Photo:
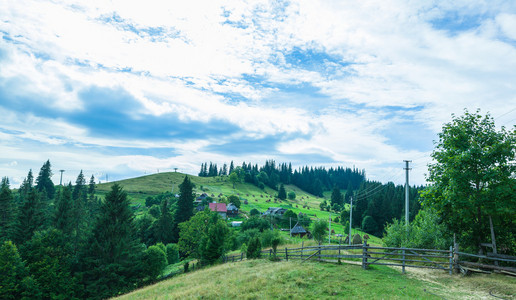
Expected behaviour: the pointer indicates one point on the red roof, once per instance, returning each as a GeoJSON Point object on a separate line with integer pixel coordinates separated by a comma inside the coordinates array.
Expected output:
{"type": "Point", "coordinates": [218, 207]}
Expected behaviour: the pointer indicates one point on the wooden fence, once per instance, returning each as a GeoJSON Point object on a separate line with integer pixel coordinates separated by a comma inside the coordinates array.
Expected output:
{"type": "Point", "coordinates": [366, 255]}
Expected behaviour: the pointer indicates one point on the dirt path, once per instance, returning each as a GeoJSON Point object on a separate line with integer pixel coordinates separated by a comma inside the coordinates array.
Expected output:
{"type": "Point", "coordinates": [475, 286]}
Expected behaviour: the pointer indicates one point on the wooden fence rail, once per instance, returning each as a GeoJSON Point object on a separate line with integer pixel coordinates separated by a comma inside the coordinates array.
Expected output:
{"type": "Point", "coordinates": [447, 260]}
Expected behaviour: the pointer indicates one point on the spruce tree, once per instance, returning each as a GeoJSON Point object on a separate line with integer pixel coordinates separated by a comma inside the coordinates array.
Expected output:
{"type": "Point", "coordinates": [7, 210]}
{"type": "Point", "coordinates": [30, 218]}
{"type": "Point", "coordinates": [64, 216]}
{"type": "Point", "coordinates": [44, 182]}
{"type": "Point", "coordinates": [336, 197]}
{"type": "Point", "coordinates": [15, 282]}
{"type": "Point", "coordinates": [282, 194]}
{"type": "Point", "coordinates": [26, 186]}
{"type": "Point", "coordinates": [163, 227]}
{"type": "Point", "coordinates": [184, 210]}
{"type": "Point", "coordinates": [113, 255]}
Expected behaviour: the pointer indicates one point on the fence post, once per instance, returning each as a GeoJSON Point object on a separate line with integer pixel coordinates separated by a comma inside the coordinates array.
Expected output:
{"type": "Point", "coordinates": [456, 257]}
{"type": "Point", "coordinates": [270, 252]}
{"type": "Point", "coordinates": [403, 262]}
{"type": "Point", "coordinates": [286, 254]}
{"type": "Point", "coordinates": [451, 259]}
{"type": "Point", "coordinates": [364, 256]}
{"type": "Point", "coordinates": [242, 256]}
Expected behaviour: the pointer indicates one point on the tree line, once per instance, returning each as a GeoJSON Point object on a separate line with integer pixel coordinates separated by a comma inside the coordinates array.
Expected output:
{"type": "Point", "coordinates": [312, 180]}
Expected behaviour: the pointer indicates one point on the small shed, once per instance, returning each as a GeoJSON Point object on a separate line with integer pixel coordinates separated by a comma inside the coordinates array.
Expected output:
{"type": "Point", "coordinates": [236, 223]}
{"type": "Point", "coordinates": [298, 230]}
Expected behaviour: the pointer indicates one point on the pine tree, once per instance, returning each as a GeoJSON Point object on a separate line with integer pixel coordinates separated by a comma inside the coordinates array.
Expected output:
{"type": "Point", "coordinates": [336, 197]}
{"type": "Point", "coordinates": [44, 182]}
{"type": "Point", "coordinates": [163, 227]}
{"type": "Point", "coordinates": [15, 282]}
{"type": "Point", "coordinates": [79, 212]}
{"type": "Point", "coordinates": [282, 194]}
{"type": "Point", "coordinates": [30, 218]}
{"type": "Point", "coordinates": [231, 167]}
{"type": "Point", "coordinates": [7, 210]}
{"type": "Point", "coordinates": [113, 255]}
{"type": "Point", "coordinates": [184, 210]}
{"type": "Point", "coordinates": [64, 215]}
{"type": "Point", "coordinates": [26, 186]}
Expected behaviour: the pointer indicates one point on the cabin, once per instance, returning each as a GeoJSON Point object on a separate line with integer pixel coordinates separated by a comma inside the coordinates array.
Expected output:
{"type": "Point", "coordinates": [199, 199]}
{"type": "Point", "coordinates": [298, 230]}
{"type": "Point", "coordinates": [232, 210]}
{"type": "Point", "coordinates": [220, 208]}
{"type": "Point", "coordinates": [275, 211]}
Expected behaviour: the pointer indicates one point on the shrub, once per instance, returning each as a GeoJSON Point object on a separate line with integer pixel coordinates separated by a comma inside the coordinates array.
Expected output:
{"type": "Point", "coordinates": [291, 195]}
{"type": "Point", "coordinates": [268, 236]}
{"type": "Point", "coordinates": [255, 222]}
{"type": "Point", "coordinates": [172, 253]}
{"type": "Point", "coordinates": [319, 230]}
{"type": "Point", "coordinates": [155, 261]}
{"type": "Point", "coordinates": [254, 248]}
{"type": "Point", "coordinates": [254, 212]}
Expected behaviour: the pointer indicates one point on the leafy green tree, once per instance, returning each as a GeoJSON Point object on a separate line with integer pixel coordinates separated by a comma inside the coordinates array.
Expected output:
{"type": "Point", "coordinates": [15, 282]}
{"type": "Point", "coordinates": [254, 212]}
{"type": "Point", "coordinates": [172, 253]}
{"type": "Point", "coordinates": [44, 182]}
{"type": "Point", "coordinates": [472, 179]}
{"type": "Point", "coordinates": [113, 255]}
{"type": "Point", "coordinates": [7, 210]}
{"type": "Point", "coordinates": [234, 178]}
{"type": "Point", "coordinates": [282, 194]}
{"type": "Point", "coordinates": [144, 229]}
{"type": "Point", "coordinates": [336, 197]}
{"type": "Point", "coordinates": [291, 195]}
{"type": "Point", "coordinates": [195, 231]}
{"type": "Point", "coordinates": [184, 210]}
{"type": "Point", "coordinates": [319, 228]}
{"type": "Point", "coordinates": [164, 225]}
{"type": "Point", "coordinates": [235, 200]}
{"type": "Point", "coordinates": [49, 256]}
{"type": "Point", "coordinates": [255, 223]}
{"type": "Point", "coordinates": [155, 211]}
{"type": "Point", "coordinates": [154, 261]}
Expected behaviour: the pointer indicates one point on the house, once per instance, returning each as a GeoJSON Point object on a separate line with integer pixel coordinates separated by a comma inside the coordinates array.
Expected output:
{"type": "Point", "coordinates": [298, 230]}
{"type": "Point", "coordinates": [220, 208]}
{"type": "Point", "coordinates": [232, 210]}
{"type": "Point", "coordinates": [199, 199]}
{"type": "Point", "coordinates": [275, 211]}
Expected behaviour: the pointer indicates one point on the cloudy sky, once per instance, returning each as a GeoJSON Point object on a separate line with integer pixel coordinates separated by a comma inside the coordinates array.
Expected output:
{"type": "Point", "coordinates": [124, 88]}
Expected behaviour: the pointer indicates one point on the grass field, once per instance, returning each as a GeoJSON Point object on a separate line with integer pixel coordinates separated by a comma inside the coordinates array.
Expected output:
{"type": "Point", "coordinates": [263, 279]}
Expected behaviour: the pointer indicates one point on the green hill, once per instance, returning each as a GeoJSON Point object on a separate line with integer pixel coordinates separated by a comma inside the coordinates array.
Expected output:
{"type": "Point", "coordinates": [263, 279]}
{"type": "Point", "coordinates": [139, 188]}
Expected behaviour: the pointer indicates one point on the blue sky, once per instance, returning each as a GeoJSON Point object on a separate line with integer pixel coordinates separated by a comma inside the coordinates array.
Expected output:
{"type": "Point", "coordinates": [127, 88]}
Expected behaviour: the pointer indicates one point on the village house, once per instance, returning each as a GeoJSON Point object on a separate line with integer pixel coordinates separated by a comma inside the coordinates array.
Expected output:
{"type": "Point", "coordinates": [220, 208]}
{"type": "Point", "coordinates": [275, 211]}
{"type": "Point", "coordinates": [232, 210]}
{"type": "Point", "coordinates": [298, 230]}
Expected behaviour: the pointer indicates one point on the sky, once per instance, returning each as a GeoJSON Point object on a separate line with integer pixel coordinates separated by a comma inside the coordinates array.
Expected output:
{"type": "Point", "coordinates": [121, 89]}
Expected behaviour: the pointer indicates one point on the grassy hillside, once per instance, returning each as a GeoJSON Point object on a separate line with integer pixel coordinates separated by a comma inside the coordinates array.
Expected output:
{"type": "Point", "coordinates": [262, 279]}
{"type": "Point", "coordinates": [140, 188]}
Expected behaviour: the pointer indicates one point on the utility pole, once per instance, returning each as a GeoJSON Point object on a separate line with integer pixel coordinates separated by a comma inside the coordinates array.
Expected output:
{"type": "Point", "coordinates": [61, 180]}
{"type": "Point", "coordinates": [350, 218]}
{"type": "Point", "coordinates": [407, 192]}
{"type": "Point", "coordinates": [329, 232]}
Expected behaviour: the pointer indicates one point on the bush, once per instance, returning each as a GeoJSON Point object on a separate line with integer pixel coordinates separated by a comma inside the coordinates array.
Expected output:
{"type": "Point", "coordinates": [291, 195]}
{"type": "Point", "coordinates": [426, 231]}
{"type": "Point", "coordinates": [254, 212]}
{"type": "Point", "coordinates": [268, 236]}
{"type": "Point", "coordinates": [155, 261]}
{"type": "Point", "coordinates": [370, 226]}
{"type": "Point", "coordinates": [255, 222]}
{"type": "Point", "coordinates": [319, 230]}
{"type": "Point", "coordinates": [254, 248]}
{"type": "Point", "coordinates": [172, 253]}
